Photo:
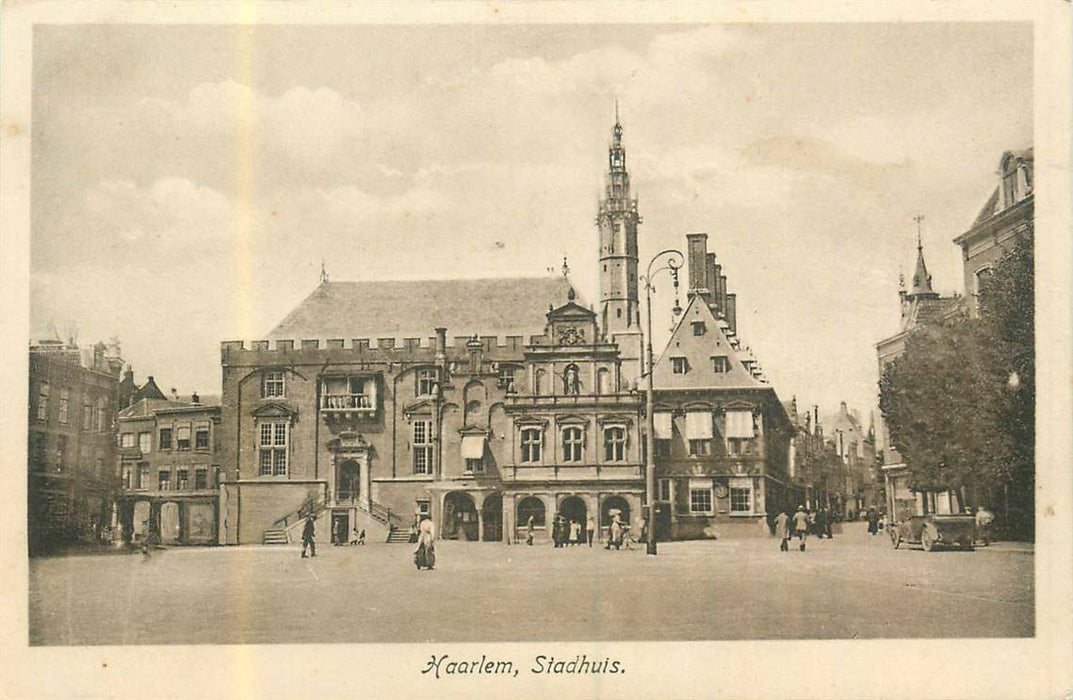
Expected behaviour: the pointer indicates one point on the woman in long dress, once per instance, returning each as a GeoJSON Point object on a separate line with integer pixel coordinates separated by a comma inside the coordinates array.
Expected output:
{"type": "Point", "coordinates": [425, 555]}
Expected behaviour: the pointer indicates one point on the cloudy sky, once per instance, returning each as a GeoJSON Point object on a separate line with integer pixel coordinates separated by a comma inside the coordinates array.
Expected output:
{"type": "Point", "coordinates": [188, 181]}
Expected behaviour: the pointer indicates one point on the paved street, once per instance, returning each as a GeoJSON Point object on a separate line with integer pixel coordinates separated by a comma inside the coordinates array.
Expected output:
{"type": "Point", "coordinates": [852, 586]}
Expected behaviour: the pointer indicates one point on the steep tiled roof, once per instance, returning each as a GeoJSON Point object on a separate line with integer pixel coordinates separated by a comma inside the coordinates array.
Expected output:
{"type": "Point", "coordinates": [698, 351]}
{"type": "Point", "coordinates": [348, 310]}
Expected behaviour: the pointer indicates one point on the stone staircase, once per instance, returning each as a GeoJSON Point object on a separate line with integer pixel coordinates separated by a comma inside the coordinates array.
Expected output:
{"type": "Point", "coordinates": [276, 536]}
{"type": "Point", "coordinates": [398, 536]}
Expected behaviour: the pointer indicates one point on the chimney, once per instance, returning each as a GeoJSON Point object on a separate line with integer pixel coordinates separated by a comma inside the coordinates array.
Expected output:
{"type": "Point", "coordinates": [712, 276]}
{"type": "Point", "coordinates": [696, 260]}
{"type": "Point", "coordinates": [721, 285]}
{"type": "Point", "coordinates": [174, 394]}
{"type": "Point", "coordinates": [195, 399]}
{"type": "Point", "coordinates": [732, 312]}
{"type": "Point", "coordinates": [441, 347]}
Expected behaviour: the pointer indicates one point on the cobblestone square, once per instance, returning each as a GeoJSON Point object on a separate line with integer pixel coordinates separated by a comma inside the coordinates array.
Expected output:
{"type": "Point", "coordinates": [853, 586]}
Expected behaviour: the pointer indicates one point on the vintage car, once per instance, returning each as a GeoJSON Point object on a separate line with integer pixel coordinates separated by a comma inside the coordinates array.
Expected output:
{"type": "Point", "coordinates": [932, 518]}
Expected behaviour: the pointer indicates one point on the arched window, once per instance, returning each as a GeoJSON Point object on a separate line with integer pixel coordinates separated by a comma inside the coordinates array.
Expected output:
{"type": "Point", "coordinates": [614, 443]}
{"type": "Point", "coordinates": [573, 441]}
{"type": "Point", "coordinates": [980, 279]}
{"type": "Point", "coordinates": [533, 507]}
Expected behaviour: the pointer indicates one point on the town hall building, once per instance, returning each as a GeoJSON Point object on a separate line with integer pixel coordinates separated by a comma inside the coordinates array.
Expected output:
{"type": "Point", "coordinates": [485, 404]}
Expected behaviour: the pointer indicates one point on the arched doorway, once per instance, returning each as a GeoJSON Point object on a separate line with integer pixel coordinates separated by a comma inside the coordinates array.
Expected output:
{"type": "Point", "coordinates": [170, 529]}
{"type": "Point", "coordinates": [459, 517]}
{"type": "Point", "coordinates": [492, 515]}
{"type": "Point", "coordinates": [533, 507]}
{"type": "Point", "coordinates": [612, 505]}
{"type": "Point", "coordinates": [573, 508]}
{"type": "Point", "coordinates": [348, 481]}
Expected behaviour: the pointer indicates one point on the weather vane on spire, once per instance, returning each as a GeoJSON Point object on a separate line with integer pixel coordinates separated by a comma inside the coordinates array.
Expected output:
{"type": "Point", "coordinates": [566, 268]}
{"type": "Point", "coordinates": [918, 218]}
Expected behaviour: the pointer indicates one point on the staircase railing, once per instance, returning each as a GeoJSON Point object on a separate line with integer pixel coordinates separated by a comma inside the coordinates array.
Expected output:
{"type": "Point", "coordinates": [312, 505]}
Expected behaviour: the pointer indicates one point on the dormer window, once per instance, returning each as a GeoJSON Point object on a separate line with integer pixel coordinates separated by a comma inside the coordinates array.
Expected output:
{"type": "Point", "coordinates": [699, 328]}
{"type": "Point", "coordinates": [679, 365]}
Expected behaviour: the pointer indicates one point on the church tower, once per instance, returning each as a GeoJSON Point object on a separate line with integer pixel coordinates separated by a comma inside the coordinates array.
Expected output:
{"type": "Point", "coordinates": [617, 222]}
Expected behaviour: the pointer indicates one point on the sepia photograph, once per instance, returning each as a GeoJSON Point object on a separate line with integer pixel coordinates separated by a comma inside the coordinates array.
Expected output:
{"type": "Point", "coordinates": [567, 335]}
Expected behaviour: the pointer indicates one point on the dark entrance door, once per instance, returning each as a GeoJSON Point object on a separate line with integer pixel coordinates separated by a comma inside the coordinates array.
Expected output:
{"type": "Point", "coordinates": [574, 510]}
{"type": "Point", "coordinates": [664, 530]}
{"type": "Point", "coordinates": [492, 515]}
{"type": "Point", "coordinates": [340, 526]}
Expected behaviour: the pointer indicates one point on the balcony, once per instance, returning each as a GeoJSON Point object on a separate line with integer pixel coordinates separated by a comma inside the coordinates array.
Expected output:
{"type": "Point", "coordinates": [337, 406]}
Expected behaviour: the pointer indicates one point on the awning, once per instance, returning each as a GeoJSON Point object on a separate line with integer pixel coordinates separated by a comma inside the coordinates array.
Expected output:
{"type": "Point", "coordinates": [473, 446]}
{"type": "Point", "coordinates": [740, 424]}
{"type": "Point", "coordinates": [699, 425]}
{"type": "Point", "coordinates": [663, 425]}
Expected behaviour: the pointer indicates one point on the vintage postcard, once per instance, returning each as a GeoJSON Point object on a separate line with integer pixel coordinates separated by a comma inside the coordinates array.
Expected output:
{"type": "Point", "coordinates": [534, 349]}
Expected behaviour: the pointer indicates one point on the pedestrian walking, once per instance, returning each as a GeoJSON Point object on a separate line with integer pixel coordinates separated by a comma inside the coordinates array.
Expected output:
{"type": "Point", "coordinates": [782, 530]}
{"type": "Point", "coordinates": [575, 532]}
{"type": "Point", "coordinates": [309, 537]}
{"type": "Point", "coordinates": [590, 529]}
{"type": "Point", "coordinates": [337, 533]}
{"type": "Point", "coordinates": [801, 525]}
{"type": "Point", "coordinates": [425, 554]}
{"type": "Point", "coordinates": [873, 521]}
{"type": "Point", "coordinates": [529, 531]}
{"type": "Point", "coordinates": [984, 518]}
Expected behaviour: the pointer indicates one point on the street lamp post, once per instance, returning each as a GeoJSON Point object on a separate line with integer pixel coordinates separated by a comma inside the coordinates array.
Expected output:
{"type": "Point", "coordinates": [674, 261]}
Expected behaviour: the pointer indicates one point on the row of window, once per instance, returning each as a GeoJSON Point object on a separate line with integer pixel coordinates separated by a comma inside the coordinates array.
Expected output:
{"type": "Point", "coordinates": [167, 439]}
{"type": "Point", "coordinates": [572, 444]}
{"type": "Point", "coordinates": [140, 479]}
{"type": "Point", "coordinates": [94, 415]}
{"type": "Point", "coordinates": [720, 364]}
{"type": "Point", "coordinates": [360, 392]}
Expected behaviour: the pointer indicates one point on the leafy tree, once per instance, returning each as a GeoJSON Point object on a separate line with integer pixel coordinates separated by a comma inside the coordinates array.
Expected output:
{"type": "Point", "coordinates": [960, 402]}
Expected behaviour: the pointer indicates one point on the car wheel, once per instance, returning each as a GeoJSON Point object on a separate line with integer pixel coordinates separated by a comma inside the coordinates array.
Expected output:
{"type": "Point", "coordinates": [926, 540]}
{"type": "Point", "coordinates": [895, 539]}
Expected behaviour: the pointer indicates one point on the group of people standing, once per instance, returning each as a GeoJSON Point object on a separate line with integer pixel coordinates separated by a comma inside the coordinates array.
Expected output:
{"type": "Point", "coordinates": [799, 525]}
{"type": "Point", "coordinates": [565, 532]}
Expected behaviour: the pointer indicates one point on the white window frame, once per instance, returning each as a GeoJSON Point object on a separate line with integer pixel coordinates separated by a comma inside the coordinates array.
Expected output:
{"type": "Point", "coordinates": [427, 378]}
{"type": "Point", "coordinates": [720, 364]}
{"type": "Point", "coordinates": [273, 384]}
{"type": "Point", "coordinates": [532, 448]}
{"type": "Point", "coordinates": [273, 447]}
{"type": "Point", "coordinates": [701, 326]}
{"type": "Point", "coordinates": [664, 492]}
{"type": "Point", "coordinates": [201, 471]}
{"type": "Point", "coordinates": [179, 439]}
{"type": "Point", "coordinates": [694, 491]}
{"type": "Point", "coordinates": [160, 446]}
{"type": "Point", "coordinates": [65, 406]}
{"type": "Point", "coordinates": [575, 443]}
{"type": "Point", "coordinates": [127, 440]}
{"type": "Point", "coordinates": [615, 445]}
{"type": "Point", "coordinates": [679, 365]}
{"type": "Point", "coordinates": [474, 465]}
{"type": "Point", "coordinates": [163, 482]}
{"type": "Point", "coordinates": [421, 446]}
{"type": "Point", "coordinates": [102, 410]}
{"type": "Point", "coordinates": [203, 430]}
{"type": "Point", "coordinates": [750, 500]}
{"type": "Point", "coordinates": [145, 442]}
{"type": "Point", "coordinates": [182, 479]}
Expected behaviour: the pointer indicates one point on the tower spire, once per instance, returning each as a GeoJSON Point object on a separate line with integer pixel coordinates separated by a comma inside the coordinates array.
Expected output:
{"type": "Point", "coordinates": [921, 286]}
{"type": "Point", "coordinates": [617, 222]}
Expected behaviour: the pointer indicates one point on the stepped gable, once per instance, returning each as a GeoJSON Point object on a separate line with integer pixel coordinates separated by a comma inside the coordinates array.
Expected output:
{"type": "Point", "coordinates": [413, 308]}
{"type": "Point", "coordinates": [698, 350]}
